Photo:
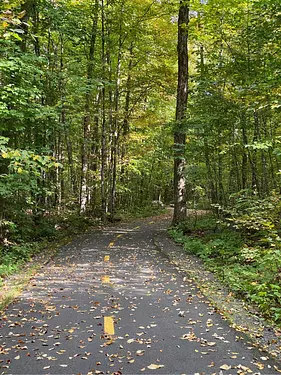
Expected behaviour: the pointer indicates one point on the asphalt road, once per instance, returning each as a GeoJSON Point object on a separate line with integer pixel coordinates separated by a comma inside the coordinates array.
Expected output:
{"type": "Point", "coordinates": [110, 303]}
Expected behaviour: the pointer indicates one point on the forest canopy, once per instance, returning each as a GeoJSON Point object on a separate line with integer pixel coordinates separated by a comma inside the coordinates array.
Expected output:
{"type": "Point", "coordinates": [88, 101]}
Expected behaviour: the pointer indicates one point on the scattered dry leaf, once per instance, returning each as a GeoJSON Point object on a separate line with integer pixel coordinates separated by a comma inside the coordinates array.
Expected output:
{"type": "Point", "coordinates": [225, 367]}
{"type": "Point", "coordinates": [153, 366]}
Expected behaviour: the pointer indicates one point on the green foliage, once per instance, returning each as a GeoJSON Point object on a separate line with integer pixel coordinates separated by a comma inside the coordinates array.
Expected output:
{"type": "Point", "coordinates": [252, 271]}
{"type": "Point", "coordinates": [256, 217]}
{"type": "Point", "coordinates": [146, 210]}
{"type": "Point", "coordinates": [12, 257]}
{"type": "Point", "coordinates": [20, 189]}
{"type": "Point", "coordinates": [57, 101]}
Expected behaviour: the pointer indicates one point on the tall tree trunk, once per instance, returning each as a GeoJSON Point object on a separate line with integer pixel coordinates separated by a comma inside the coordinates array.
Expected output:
{"type": "Point", "coordinates": [115, 129]}
{"type": "Point", "coordinates": [27, 7]}
{"type": "Point", "coordinates": [125, 125]}
{"type": "Point", "coordinates": [103, 127]}
{"type": "Point", "coordinates": [95, 154]}
{"type": "Point", "coordinates": [87, 116]}
{"type": "Point", "coordinates": [255, 182]}
{"type": "Point", "coordinates": [212, 190]}
{"type": "Point", "coordinates": [244, 154]}
{"type": "Point", "coordinates": [179, 134]}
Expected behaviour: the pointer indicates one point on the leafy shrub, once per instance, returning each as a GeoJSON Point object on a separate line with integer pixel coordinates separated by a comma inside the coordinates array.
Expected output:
{"type": "Point", "coordinates": [13, 256]}
{"type": "Point", "coordinates": [250, 269]}
{"type": "Point", "coordinates": [258, 218]}
{"type": "Point", "coordinates": [198, 223]}
{"type": "Point", "coordinates": [195, 246]}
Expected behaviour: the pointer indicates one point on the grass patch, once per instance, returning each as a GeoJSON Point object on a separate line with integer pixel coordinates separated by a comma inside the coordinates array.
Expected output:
{"type": "Point", "coordinates": [13, 257]}
{"type": "Point", "coordinates": [251, 271]}
{"type": "Point", "coordinates": [13, 288]}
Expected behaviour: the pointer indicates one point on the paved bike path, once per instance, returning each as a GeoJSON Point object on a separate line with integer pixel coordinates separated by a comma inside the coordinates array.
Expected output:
{"type": "Point", "coordinates": [111, 303]}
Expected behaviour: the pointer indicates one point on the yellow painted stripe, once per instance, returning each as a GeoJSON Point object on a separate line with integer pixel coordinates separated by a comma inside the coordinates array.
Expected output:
{"type": "Point", "coordinates": [136, 228]}
{"type": "Point", "coordinates": [119, 235]}
{"type": "Point", "coordinates": [109, 325]}
{"type": "Point", "coordinates": [106, 258]}
{"type": "Point", "coordinates": [151, 222]}
{"type": "Point", "coordinates": [111, 244]}
{"type": "Point", "coordinates": [105, 279]}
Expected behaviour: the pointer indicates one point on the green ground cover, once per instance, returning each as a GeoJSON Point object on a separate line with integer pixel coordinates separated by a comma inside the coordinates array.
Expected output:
{"type": "Point", "coordinates": [243, 249]}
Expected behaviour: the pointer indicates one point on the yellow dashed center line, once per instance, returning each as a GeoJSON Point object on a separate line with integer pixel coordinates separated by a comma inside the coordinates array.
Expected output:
{"type": "Point", "coordinates": [111, 244]}
{"type": "Point", "coordinates": [106, 258]}
{"type": "Point", "coordinates": [119, 235]}
{"type": "Point", "coordinates": [109, 325]}
{"type": "Point", "coordinates": [136, 228]}
{"type": "Point", "coordinates": [105, 279]}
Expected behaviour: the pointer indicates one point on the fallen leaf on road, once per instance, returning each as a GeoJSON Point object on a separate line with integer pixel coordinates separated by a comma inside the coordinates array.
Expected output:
{"type": "Point", "coordinates": [225, 367]}
{"type": "Point", "coordinates": [259, 365]}
{"type": "Point", "coordinates": [154, 366]}
{"type": "Point", "coordinates": [50, 308]}
{"type": "Point", "coordinates": [209, 323]}
{"type": "Point", "coordinates": [244, 368]}
{"type": "Point", "coordinates": [189, 336]}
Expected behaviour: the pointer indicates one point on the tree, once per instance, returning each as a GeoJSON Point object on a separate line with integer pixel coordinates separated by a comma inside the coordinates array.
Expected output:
{"type": "Point", "coordinates": [179, 134]}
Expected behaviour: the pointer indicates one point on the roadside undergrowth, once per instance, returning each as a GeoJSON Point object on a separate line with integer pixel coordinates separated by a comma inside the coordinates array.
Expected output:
{"type": "Point", "coordinates": [248, 267]}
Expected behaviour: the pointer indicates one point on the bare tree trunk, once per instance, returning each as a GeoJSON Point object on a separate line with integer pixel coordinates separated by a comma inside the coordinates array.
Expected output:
{"type": "Point", "coordinates": [179, 134]}
{"type": "Point", "coordinates": [95, 154]}
{"type": "Point", "coordinates": [103, 127]}
{"type": "Point", "coordinates": [212, 191]}
{"type": "Point", "coordinates": [115, 130]}
{"type": "Point", "coordinates": [244, 154]}
{"type": "Point", "coordinates": [255, 182]}
{"type": "Point", "coordinates": [27, 7]}
{"type": "Point", "coordinates": [85, 151]}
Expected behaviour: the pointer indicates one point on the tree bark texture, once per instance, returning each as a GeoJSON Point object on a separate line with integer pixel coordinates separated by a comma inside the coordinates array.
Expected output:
{"type": "Point", "coordinates": [179, 134]}
{"type": "Point", "coordinates": [87, 117]}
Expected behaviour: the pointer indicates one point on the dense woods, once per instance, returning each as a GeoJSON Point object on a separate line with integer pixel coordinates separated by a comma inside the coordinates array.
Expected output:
{"type": "Point", "coordinates": [87, 90]}
{"type": "Point", "coordinates": [99, 99]}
